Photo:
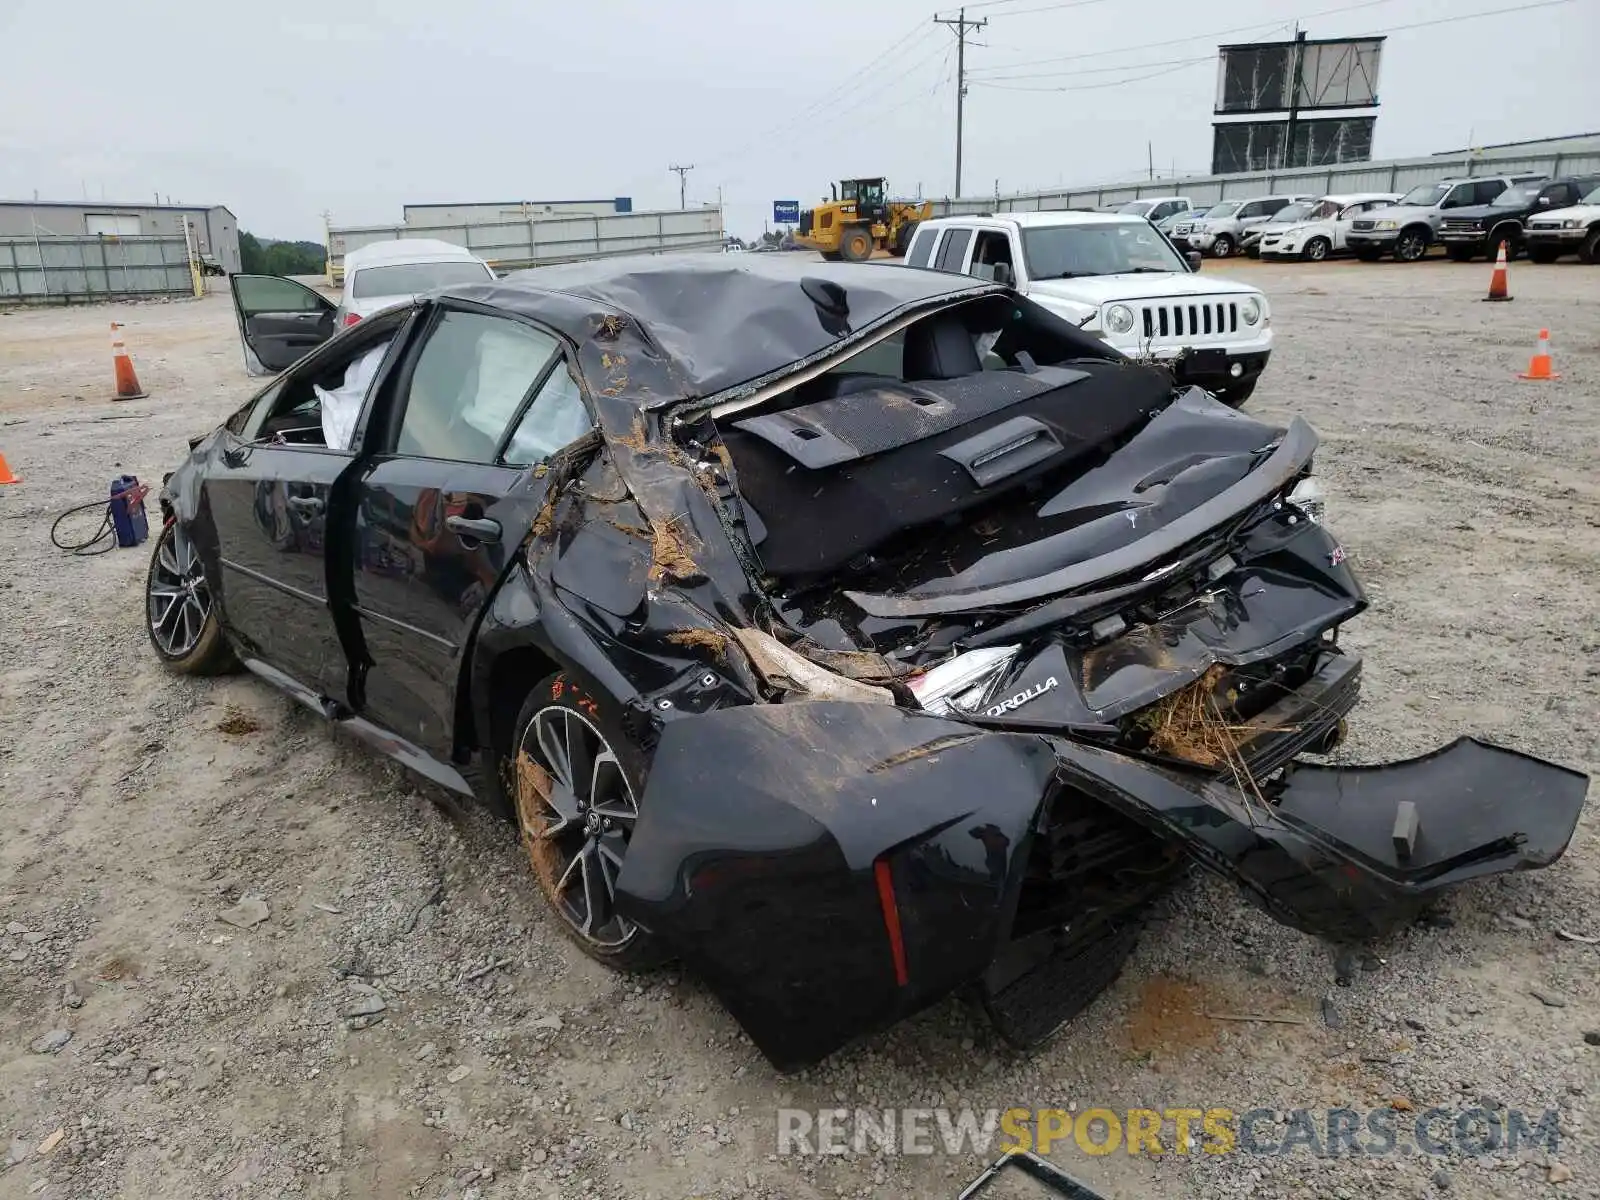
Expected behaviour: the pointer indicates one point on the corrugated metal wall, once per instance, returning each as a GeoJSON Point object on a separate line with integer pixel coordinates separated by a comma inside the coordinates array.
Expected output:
{"type": "Point", "coordinates": [541, 241]}
{"type": "Point", "coordinates": [75, 269]}
{"type": "Point", "coordinates": [1393, 175]}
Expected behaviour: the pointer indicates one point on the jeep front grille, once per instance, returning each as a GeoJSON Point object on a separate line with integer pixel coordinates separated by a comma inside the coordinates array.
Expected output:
{"type": "Point", "coordinates": [1462, 225]}
{"type": "Point", "coordinates": [1363, 226]}
{"type": "Point", "coordinates": [1190, 321]}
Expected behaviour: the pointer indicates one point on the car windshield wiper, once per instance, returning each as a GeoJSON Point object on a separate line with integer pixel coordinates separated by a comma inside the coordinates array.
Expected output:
{"type": "Point", "coordinates": [1074, 274]}
{"type": "Point", "coordinates": [1145, 271]}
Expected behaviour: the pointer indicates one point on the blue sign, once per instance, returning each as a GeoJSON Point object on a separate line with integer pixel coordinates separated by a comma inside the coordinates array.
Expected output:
{"type": "Point", "coordinates": [786, 212]}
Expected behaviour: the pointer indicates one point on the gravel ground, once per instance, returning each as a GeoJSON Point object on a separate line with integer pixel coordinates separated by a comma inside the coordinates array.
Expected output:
{"type": "Point", "coordinates": [406, 1021]}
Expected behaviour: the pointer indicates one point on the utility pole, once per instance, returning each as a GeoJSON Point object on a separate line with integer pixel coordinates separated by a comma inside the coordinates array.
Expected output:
{"type": "Point", "coordinates": [960, 25]}
{"type": "Point", "coordinates": [1299, 52]}
{"type": "Point", "coordinates": [1150, 158]}
{"type": "Point", "coordinates": [683, 182]}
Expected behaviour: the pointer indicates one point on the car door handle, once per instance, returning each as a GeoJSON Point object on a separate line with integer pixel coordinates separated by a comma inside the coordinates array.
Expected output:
{"type": "Point", "coordinates": [307, 506]}
{"type": "Point", "coordinates": [480, 529]}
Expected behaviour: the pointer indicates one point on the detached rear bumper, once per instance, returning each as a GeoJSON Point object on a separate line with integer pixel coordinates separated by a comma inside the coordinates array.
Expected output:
{"type": "Point", "coordinates": [830, 868]}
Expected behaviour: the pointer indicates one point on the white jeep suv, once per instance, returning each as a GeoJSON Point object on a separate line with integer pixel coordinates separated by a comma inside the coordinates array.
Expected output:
{"type": "Point", "coordinates": [1117, 277]}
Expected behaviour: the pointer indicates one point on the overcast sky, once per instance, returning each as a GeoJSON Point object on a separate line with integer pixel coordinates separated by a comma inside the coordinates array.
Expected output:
{"type": "Point", "coordinates": [282, 111]}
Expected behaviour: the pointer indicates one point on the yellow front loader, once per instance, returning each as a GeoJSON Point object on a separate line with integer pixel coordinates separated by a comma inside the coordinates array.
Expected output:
{"type": "Point", "coordinates": [858, 220]}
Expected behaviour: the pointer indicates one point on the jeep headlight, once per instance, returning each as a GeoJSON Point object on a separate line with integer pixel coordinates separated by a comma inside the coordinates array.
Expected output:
{"type": "Point", "coordinates": [1571, 224]}
{"type": "Point", "coordinates": [1387, 225]}
{"type": "Point", "coordinates": [1250, 311]}
{"type": "Point", "coordinates": [1119, 319]}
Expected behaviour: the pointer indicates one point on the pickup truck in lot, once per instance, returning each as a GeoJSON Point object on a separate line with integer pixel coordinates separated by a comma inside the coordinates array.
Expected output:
{"type": "Point", "coordinates": [1469, 232]}
{"type": "Point", "coordinates": [1409, 228]}
{"type": "Point", "coordinates": [1116, 277]}
{"type": "Point", "coordinates": [1574, 230]}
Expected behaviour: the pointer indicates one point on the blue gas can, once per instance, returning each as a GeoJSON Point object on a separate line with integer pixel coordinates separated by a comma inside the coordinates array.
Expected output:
{"type": "Point", "coordinates": [127, 510]}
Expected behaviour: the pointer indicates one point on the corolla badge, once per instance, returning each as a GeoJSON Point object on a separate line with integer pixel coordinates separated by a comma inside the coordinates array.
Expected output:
{"type": "Point", "coordinates": [1021, 698]}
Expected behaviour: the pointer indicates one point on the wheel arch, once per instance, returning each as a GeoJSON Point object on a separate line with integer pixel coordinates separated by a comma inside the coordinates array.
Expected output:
{"type": "Point", "coordinates": [1510, 226]}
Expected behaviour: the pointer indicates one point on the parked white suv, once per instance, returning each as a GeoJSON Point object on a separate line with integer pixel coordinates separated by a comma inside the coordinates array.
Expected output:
{"type": "Point", "coordinates": [384, 274]}
{"type": "Point", "coordinates": [1115, 276]}
{"type": "Point", "coordinates": [1325, 230]}
{"type": "Point", "coordinates": [1156, 209]}
{"type": "Point", "coordinates": [1219, 230]}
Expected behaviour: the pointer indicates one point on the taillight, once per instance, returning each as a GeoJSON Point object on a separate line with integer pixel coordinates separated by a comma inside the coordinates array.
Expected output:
{"type": "Point", "coordinates": [891, 920]}
{"type": "Point", "coordinates": [351, 318]}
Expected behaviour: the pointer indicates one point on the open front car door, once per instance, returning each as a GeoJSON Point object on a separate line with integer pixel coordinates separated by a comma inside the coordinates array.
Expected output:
{"type": "Point", "coordinates": [280, 321]}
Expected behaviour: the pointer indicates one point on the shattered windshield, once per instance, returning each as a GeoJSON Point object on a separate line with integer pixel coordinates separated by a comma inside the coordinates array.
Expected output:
{"type": "Point", "coordinates": [1289, 214]}
{"type": "Point", "coordinates": [1073, 251]}
{"type": "Point", "coordinates": [1226, 209]}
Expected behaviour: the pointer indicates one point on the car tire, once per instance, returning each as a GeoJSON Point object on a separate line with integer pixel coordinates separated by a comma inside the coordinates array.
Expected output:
{"type": "Point", "coordinates": [1222, 247]}
{"type": "Point", "coordinates": [1499, 238]}
{"type": "Point", "coordinates": [1461, 253]}
{"type": "Point", "coordinates": [1590, 251]}
{"type": "Point", "coordinates": [1543, 256]}
{"type": "Point", "coordinates": [1235, 394]}
{"type": "Point", "coordinates": [180, 608]}
{"type": "Point", "coordinates": [1366, 254]}
{"type": "Point", "coordinates": [1411, 246]}
{"type": "Point", "coordinates": [1317, 249]}
{"type": "Point", "coordinates": [829, 255]}
{"type": "Point", "coordinates": [575, 831]}
{"type": "Point", "coordinates": [856, 245]}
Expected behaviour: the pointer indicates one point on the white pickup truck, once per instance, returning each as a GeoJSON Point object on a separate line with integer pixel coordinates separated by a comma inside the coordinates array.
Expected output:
{"type": "Point", "coordinates": [1117, 277]}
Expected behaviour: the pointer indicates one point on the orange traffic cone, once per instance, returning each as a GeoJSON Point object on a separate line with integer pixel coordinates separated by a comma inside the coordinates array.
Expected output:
{"type": "Point", "coordinates": [1539, 365]}
{"type": "Point", "coordinates": [127, 382]}
{"type": "Point", "coordinates": [5, 472]}
{"type": "Point", "coordinates": [1497, 282]}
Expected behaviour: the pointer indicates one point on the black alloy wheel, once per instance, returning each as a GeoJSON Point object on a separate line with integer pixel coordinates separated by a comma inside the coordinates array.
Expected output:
{"type": "Point", "coordinates": [575, 781]}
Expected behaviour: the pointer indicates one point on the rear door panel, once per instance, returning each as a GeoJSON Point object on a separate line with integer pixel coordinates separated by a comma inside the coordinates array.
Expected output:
{"type": "Point", "coordinates": [420, 586]}
{"type": "Point", "coordinates": [268, 507]}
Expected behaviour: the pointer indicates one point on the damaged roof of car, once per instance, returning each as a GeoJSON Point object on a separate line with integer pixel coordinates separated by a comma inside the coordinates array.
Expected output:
{"type": "Point", "coordinates": [722, 320]}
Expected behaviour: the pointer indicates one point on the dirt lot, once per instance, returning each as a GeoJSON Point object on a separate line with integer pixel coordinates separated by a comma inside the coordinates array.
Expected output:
{"type": "Point", "coordinates": [207, 1060]}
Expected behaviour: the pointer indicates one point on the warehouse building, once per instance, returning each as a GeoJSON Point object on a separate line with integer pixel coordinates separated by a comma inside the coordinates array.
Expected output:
{"type": "Point", "coordinates": [486, 212]}
{"type": "Point", "coordinates": [216, 229]}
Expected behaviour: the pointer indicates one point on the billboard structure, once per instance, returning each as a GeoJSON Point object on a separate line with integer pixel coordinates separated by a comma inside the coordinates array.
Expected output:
{"type": "Point", "coordinates": [1263, 79]}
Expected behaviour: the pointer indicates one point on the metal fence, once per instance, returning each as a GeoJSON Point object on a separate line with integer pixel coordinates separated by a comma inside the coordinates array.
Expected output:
{"type": "Point", "coordinates": [78, 268]}
{"type": "Point", "coordinates": [541, 241]}
{"type": "Point", "coordinates": [1392, 175]}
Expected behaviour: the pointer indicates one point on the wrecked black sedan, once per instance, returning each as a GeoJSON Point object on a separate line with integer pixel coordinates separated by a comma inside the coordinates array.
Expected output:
{"type": "Point", "coordinates": [856, 634]}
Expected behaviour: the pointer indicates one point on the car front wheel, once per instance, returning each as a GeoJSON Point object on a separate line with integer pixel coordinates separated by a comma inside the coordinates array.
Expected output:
{"type": "Point", "coordinates": [180, 614]}
{"type": "Point", "coordinates": [1223, 246]}
{"type": "Point", "coordinates": [1411, 247]}
{"type": "Point", "coordinates": [576, 778]}
{"type": "Point", "coordinates": [1317, 249]}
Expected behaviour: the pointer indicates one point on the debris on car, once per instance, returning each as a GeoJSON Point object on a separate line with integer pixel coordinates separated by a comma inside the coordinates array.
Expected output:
{"type": "Point", "coordinates": [855, 634]}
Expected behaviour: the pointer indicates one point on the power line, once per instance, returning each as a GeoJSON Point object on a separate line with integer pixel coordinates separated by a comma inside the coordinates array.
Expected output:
{"type": "Point", "coordinates": [1042, 8]}
{"type": "Point", "coordinates": [986, 79]}
{"type": "Point", "coordinates": [961, 25]}
{"type": "Point", "coordinates": [1089, 87]}
{"type": "Point", "coordinates": [844, 89]}
{"type": "Point", "coordinates": [1179, 41]}
{"type": "Point", "coordinates": [1125, 67]}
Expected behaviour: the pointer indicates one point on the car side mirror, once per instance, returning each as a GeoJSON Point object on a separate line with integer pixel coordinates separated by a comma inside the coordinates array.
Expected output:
{"type": "Point", "coordinates": [1002, 274]}
{"type": "Point", "coordinates": [1194, 259]}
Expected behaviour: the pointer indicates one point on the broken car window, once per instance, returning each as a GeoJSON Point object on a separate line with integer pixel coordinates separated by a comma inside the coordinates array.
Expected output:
{"type": "Point", "coordinates": [556, 418]}
{"type": "Point", "coordinates": [468, 384]}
